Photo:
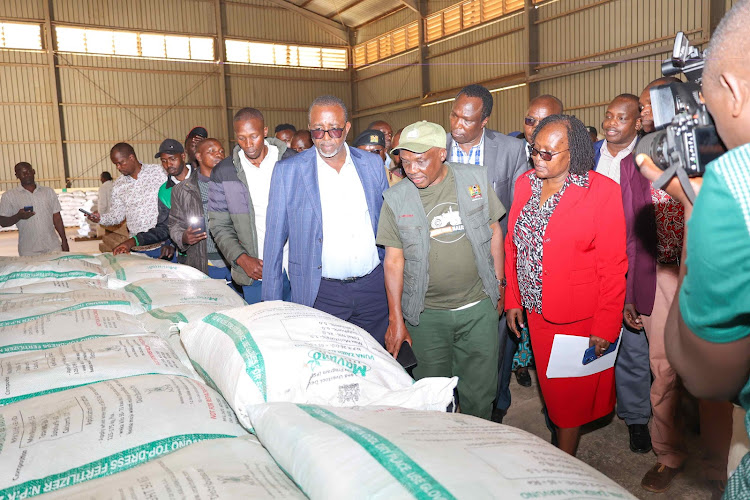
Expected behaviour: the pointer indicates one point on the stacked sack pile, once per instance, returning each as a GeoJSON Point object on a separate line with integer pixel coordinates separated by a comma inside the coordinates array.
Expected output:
{"type": "Point", "coordinates": [128, 377]}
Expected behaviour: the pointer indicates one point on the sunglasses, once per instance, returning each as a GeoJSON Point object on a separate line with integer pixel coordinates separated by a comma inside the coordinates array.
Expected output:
{"type": "Point", "coordinates": [544, 155]}
{"type": "Point", "coordinates": [530, 121]}
{"type": "Point", "coordinates": [333, 133]}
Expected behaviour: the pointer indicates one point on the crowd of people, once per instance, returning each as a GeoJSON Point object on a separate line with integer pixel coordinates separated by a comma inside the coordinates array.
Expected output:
{"type": "Point", "coordinates": [484, 252]}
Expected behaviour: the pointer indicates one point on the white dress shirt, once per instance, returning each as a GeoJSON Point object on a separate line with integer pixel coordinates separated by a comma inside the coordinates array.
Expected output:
{"type": "Point", "coordinates": [348, 239]}
{"type": "Point", "coordinates": [259, 185]}
{"type": "Point", "coordinates": [610, 165]}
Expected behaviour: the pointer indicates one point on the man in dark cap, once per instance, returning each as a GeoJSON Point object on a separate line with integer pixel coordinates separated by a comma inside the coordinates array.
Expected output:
{"type": "Point", "coordinates": [196, 135]}
{"type": "Point", "coordinates": [373, 141]}
{"type": "Point", "coordinates": [172, 156]}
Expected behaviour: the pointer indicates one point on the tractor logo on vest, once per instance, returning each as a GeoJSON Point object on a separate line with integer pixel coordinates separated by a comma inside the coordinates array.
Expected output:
{"type": "Point", "coordinates": [446, 225]}
{"type": "Point", "coordinates": [475, 192]}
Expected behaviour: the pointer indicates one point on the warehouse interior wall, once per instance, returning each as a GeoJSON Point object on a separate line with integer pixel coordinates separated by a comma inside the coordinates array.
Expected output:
{"type": "Point", "coordinates": [583, 51]}
{"type": "Point", "coordinates": [62, 111]}
{"type": "Point", "coordinates": [102, 100]}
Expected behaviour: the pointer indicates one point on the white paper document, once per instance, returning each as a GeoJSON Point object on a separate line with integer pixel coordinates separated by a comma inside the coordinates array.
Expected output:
{"type": "Point", "coordinates": [566, 358]}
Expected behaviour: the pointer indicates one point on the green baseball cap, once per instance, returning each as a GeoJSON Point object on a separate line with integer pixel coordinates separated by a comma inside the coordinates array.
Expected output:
{"type": "Point", "coordinates": [421, 136]}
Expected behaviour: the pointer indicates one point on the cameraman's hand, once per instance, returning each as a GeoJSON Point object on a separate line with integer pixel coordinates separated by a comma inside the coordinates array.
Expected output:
{"type": "Point", "coordinates": [673, 187]}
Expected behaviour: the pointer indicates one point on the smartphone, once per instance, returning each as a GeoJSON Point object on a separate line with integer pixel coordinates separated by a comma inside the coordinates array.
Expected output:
{"type": "Point", "coordinates": [29, 208]}
{"type": "Point", "coordinates": [589, 354]}
{"type": "Point", "coordinates": [85, 212]}
{"type": "Point", "coordinates": [406, 357]}
{"type": "Point", "coordinates": [199, 222]}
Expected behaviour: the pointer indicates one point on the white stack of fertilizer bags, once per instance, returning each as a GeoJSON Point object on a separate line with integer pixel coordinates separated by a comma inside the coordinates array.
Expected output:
{"type": "Point", "coordinates": [58, 440]}
{"type": "Point", "coordinates": [277, 351]}
{"type": "Point", "coordinates": [25, 271]}
{"type": "Point", "coordinates": [34, 373]}
{"type": "Point", "coordinates": [53, 330]}
{"type": "Point", "coordinates": [229, 468]}
{"type": "Point", "coordinates": [128, 268]}
{"type": "Point", "coordinates": [71, 201]}
{"type": "Point", "coordinates": [98, 283]}
{"type": "Point", "coordinates": [157, 293]}
{"type": "Point", "coordinates": [21, 308]}
{"type": "Point", "coordinates": [395, 453]}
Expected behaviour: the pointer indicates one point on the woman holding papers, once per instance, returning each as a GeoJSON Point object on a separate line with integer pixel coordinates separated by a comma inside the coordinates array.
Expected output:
{"type": "Point", "coordinates": [565, 263]}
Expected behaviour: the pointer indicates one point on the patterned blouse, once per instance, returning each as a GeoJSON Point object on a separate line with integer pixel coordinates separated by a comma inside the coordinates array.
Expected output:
{"type": "Point", "coordinates": [670, 225]}
{"type": "Point", "coordinates": [528, 237]}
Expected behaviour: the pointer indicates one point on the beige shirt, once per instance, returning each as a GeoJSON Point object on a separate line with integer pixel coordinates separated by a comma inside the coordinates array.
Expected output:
{"type": "Point", "coordinates": [610, 165]}
{"type": "Point", "coordinates": [36, 235]}
{"type": "Point", "coordinates": [349, 249]}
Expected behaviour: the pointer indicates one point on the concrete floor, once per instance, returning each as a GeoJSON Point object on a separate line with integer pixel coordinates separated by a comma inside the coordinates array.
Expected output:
{"type": "Point", "coordinates": [604, 444]}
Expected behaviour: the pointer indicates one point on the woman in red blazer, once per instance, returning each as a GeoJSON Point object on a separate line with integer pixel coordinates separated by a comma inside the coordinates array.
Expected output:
{"type": "Point", "coordinates": [565, 263]}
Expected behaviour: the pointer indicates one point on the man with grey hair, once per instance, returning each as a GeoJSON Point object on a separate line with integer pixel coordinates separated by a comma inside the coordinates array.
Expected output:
{"type": "Point", "coordinates": [325, 201]}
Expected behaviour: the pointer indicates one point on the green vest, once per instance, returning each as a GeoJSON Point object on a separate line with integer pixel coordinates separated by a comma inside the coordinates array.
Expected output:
{"type": "Point", "coordinates": [414, 231]}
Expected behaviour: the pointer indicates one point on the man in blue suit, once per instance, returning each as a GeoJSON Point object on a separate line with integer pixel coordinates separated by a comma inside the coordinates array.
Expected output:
{"type": "Point", "coordinates": [326, 202]}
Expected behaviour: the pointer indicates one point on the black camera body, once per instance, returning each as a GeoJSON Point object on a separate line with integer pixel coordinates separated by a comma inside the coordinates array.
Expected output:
{"type": "Point", "coordinates": [685, 135]}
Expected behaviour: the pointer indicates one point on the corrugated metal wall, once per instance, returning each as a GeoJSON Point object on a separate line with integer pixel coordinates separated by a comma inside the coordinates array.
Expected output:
{"type": "Point", "coordinates": [626, 39]}
{"type": "Point", "coordinates": [104, 100]}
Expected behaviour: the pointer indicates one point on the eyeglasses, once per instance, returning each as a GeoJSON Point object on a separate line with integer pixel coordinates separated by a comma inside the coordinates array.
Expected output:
{"type": "Point", "coordinates": [544, 155]}
{"type": "Point", "coordinates": [529, 121]}
{"type": "Point", "coordinates": [333, 133]}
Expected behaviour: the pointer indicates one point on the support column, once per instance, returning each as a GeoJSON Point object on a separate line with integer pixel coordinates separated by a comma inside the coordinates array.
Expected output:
{"type": "Point", "coordinates": [531, 46]}
{"type": "Point", "coordinates": [424, 80]}
{"type": "Point", "coordinates": [221, 60]}
{"type": "Point", "coordinates": [54, 83]}
{"type": "Point", "coordinates": [352, 77]}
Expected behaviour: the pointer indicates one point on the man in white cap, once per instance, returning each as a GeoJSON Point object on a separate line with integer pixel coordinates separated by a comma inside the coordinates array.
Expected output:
{"type": "Point", "coordinates": [444, 221]}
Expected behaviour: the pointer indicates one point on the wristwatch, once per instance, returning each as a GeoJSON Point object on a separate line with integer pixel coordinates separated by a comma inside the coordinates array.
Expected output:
{"type": "Point", "coordinates": [502, 282]}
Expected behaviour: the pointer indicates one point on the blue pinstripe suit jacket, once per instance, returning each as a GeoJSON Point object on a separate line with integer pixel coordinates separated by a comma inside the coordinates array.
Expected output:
{"type": "Point", "coordinates": [294, 213]}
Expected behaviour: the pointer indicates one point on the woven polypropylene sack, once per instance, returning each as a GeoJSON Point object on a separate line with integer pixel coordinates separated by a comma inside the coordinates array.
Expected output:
{"type": "Point", "coordinates": [278, 351]}
{"type": "Point", "coordinates": [395, 453]}
{"type": "Point", "coordinates": [58, 440]}
{"type": "Point", "coordinates": [220, 468]}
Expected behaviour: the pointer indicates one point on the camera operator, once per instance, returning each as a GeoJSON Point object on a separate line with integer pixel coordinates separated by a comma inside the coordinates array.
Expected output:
{"type": "Point", "coordinates": [708, 329]}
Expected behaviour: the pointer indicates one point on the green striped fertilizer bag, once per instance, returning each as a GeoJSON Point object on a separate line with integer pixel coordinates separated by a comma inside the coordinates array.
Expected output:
{"type": "Point", "coordinates": [220, 468]}
{"type": "Point", "coordinates": [35, 373]}
{"type": "Point", "coordinates": [23, 308]}
{"type": "Point", "coordinates": [127, 268]}
{"type": "Point", "coordinates": [21, 271]}
{"type": "Point", "coordinates": [97, 283]}
{"type": "Point", "coordinates": [396, 453]}
{"type": "Point", "coordinates": [155, 293]}
{"type": "Point", "coordinates": [63, 328]}
{"type": "Point", "coordinates": [58, 440]}
{"type": "Point", "coordinates": [278, 351]}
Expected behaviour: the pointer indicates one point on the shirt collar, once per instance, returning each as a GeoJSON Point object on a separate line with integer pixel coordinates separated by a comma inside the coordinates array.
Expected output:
{"type": "Point", "coordinates": [622, 154]}
{"type": "Point", "coordinates": [479, 145]}
{"type": "Point", "coordinates": [322, 162]}
{"type": "Point", "coordinates": [174, 179]}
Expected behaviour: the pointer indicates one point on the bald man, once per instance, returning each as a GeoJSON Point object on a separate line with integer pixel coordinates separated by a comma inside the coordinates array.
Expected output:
{"type": "Point", "coordinates": [540, 108]}
{"type": "Point", "coordinates": [707, 334]}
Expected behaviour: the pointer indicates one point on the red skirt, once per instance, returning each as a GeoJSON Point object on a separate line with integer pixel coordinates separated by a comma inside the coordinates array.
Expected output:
{"type": "Point", "coordinates": [570, 401]}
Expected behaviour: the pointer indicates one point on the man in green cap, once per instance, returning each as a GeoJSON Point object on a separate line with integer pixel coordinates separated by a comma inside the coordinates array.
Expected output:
{"type": "Point", "coordinates": [444, 274]}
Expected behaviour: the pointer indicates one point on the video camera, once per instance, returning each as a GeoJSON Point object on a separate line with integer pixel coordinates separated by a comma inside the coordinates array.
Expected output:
{"type": "Point", "coordinates": [685, 140]}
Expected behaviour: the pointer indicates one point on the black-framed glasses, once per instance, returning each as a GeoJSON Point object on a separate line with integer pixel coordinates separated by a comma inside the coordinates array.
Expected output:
{"type": "Point", "coordinates": [333, 133]}
{"type": "Point", "coordinates": [531, 122]}
{"type": "Point", "coordinates": [545, 155]}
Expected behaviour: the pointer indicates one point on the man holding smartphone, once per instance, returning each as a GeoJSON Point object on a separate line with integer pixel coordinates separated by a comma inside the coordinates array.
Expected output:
{"type": "Point", "coordinates": [36, 212]}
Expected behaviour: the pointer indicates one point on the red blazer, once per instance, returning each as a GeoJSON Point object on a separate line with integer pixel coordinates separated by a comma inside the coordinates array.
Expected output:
{"type": "Point", "coordinates": [584, 262]}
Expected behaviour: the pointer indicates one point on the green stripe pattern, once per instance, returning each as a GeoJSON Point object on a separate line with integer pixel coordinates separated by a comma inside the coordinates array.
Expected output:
{"type": "Point", "coordinates": [106, 466]}
{"type": "Point", "coordinates": [39, 346]}
{"type": "Point", "coordinates": [82, 305]}
{"type": "Point", "coordinates": [119, 271]}
{"type": "Point", "coordinates": [141, 295]}
{"type": "Point", "coordinates": [255, 366]}
{"type": "Point", "coordinates": [173, 317]}
{"type": "Point", "coordinates": [398, 464]}
{"type": "Point", "coordinates": [45, 274]}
